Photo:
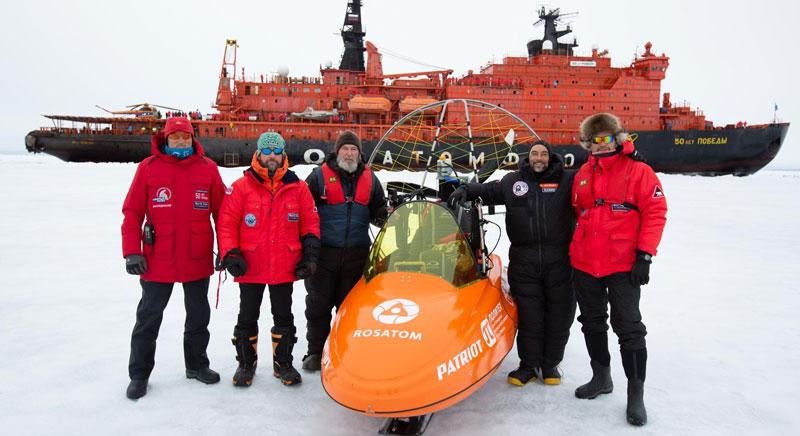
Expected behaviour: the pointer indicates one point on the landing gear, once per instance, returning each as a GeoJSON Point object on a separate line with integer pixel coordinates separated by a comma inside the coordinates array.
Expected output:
{"type": "Point", "coordinates": [414, 425]}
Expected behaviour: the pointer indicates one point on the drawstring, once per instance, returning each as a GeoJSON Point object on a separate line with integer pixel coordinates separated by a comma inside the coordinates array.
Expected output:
{"type": "Point", "coordinates": [219, 285]}
{"type": "Point", "coordinates": [219, 279]}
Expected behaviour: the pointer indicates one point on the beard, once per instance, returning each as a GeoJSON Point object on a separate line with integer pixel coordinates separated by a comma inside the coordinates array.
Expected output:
{"type": "Point", "coordinates": [539, 167]}
{"type": "Point", "coordinates": [348, 166]}
{"type": "Point", "coordinates": [272, 165]}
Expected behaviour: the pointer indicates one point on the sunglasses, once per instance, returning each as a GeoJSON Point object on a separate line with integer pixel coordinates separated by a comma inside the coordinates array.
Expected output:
{"type": "Point", "coordinates": [268, 151]}
{"type": "Point", "coordinates": [605, 139]}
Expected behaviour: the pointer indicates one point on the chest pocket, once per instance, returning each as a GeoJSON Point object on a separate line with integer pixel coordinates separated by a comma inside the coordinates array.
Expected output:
{"type": "Point", "coordinates": [290, 220]}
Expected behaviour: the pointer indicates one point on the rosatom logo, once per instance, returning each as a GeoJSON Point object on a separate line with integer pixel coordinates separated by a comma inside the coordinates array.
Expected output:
{"type": "Point", "coordinates": [397, 311]}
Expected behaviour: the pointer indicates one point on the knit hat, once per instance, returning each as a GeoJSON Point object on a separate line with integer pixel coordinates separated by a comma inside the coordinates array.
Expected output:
{"type": "Point", "coordinates": [545, 144]}
{"type": "Point", "coordinates": [347, 137]}
{"type": "Point", "coordinates": [271, 140]}
{"type": "Point", "coordinates": [178, 124]}
{"type": "Point", "coordinates": [597, 123]}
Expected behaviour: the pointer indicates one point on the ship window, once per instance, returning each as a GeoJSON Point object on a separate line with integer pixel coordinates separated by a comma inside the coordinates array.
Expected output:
{"type": "Point", "coordinates": [256, 90]}
{"type": "Point", "coordinates": [276, 100]}
{"type": "Point", "coordinates": [283, 89]}
{"type": "Point", "coordinates": [625, 94]}
{"type": "Point", "coordinates": [594, 94]}
{"type": "Point", "coordinates": [547, 106]}
{"type": "Point", "coordinates": [306, 90]}
{"type": "Point", "coordinates": [294, 89]}
{"type": "Point", "coordinates": [247, 90]}
{"type": "Point", "coordinates": [317, 90]}
{"type": "Point", "coordinates": [563, 106]}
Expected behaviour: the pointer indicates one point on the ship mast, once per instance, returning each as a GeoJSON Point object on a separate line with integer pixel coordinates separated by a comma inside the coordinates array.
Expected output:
{"type": "Point", "coordinates": [551, 35]}
{"type": "Point", "coordinates": [353, 38]}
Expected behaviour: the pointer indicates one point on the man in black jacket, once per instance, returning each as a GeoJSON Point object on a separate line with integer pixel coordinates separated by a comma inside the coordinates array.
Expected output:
{"type": "Point", "coordinates": [349, 197]}
{"type": "Point", "coordinates": [539, 222]}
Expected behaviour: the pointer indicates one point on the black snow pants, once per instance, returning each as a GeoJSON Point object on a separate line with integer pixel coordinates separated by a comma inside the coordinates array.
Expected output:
{"type": "Point", "coordinates": [250, 297]}
{"type": "Point", "coordinates": [540, 282]}
{"type": "Point", "coordinates": [338, 271]}
{"type": "Point", "coordinates": [150, 312]}
{"type": "Point", "coordinates": [594, 295]}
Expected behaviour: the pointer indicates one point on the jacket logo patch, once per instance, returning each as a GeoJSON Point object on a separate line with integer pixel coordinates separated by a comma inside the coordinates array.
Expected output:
{"type": "Point", "coordinates": [332, 179]}
{"type": "Point", "coordinates": [201, 195]}
{"type": "Point", "coordinates": [548, 187]}
{"type": "Point", "coordinates": [162, 195]}
{"type": "Point", "coordinates": [229, 190]}
{"type": "Point", "coordinates": [583, 182]}
{"type": "Point", "coordinates": [293, 216]}
{"type": "Point", "coordinates": [520, 188]}
{"type": "Point", "coordinates": [202, 205]}
{"type": "Point", "coordinates": [619, 208]}
{"type": "Point", "coordinates": [250, 220]}
{"type": "Point", "coordinates": [658, 193]}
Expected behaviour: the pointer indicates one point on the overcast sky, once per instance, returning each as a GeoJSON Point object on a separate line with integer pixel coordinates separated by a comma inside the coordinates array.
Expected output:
{"type": "Point", "coordinates": [734, 59]}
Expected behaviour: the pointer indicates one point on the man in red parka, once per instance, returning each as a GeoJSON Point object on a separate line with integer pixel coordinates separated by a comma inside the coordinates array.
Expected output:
{"type": "Point", "coordinates": [175, 192]}
{"type": "Point", "coordinates": [621, 211]}
{"type": "Point", "coordinates": [268, 235]}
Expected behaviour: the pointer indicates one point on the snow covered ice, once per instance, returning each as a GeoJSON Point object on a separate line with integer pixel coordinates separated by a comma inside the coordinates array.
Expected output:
{"type": "Point", "coordinates": [721, 312]}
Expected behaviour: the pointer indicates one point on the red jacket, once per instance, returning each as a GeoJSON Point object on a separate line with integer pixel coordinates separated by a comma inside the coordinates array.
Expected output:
{"type": "Point", "coordinates": [621, 208]}
{"type": "Point", "coordinates": [265, 221]}
{"type": "Point", "coordinates": [178, 197]}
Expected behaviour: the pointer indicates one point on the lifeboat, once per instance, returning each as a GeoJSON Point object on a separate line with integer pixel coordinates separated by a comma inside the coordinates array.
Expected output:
{"type": "Point", "coordinates": [427, 324]}
{"type": "Point", "coordinates": [369, 104]}
{"type": "Point", "coordinates": [410, 104]}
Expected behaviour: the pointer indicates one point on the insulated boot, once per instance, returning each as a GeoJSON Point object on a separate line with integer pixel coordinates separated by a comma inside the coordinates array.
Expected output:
{"type": "Point", "coordinates": [247, 357]}
{"type": "Point", "coordinates": [136, 389]}
{"type": "Point", "coordinates": [635, 364]}
{"type": "Point", "coordinates": [597, 346]}
{"type": "Point", "coordinates": [205, 375]}
{"type": "Point", "coordinates": [522, 375]}
{"type": "Point", "coordinates": [283, 340]}
{"type": "Point", "coordinates": [312, 362]}
{"type": "Point", "coordinates": [551, 376]}
{"type": "Point", "coordinates": [599, 384]}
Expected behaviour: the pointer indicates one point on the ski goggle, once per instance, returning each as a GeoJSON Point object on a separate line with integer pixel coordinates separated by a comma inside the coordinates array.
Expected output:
{"type": "Point", "coordinates": [605, 139]}
{"type": "Point", "coordinates": [269, 150]}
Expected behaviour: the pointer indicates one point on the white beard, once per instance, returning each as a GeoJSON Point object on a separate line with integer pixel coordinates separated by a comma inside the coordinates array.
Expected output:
{"type": "Point", "coordinates": [349, 167]}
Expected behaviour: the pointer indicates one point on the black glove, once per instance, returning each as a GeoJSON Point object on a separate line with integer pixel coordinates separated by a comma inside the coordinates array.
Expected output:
{"type": "Point", "coordinates": [234, 263]}
{"type": "Point", "coordinates": [304, 269]}
{"type": "Point", "coordinates": [308, 264]}
{"type": "Point", "coordinates": [640, 274]}
{"type": "Point", "coordinates": [458, 197]}
{"type": "Point", "coordinates": [135, 264]}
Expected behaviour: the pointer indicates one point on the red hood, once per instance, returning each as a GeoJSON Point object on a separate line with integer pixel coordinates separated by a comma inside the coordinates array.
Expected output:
{"type": "Point", "coordinates": [157, 140]}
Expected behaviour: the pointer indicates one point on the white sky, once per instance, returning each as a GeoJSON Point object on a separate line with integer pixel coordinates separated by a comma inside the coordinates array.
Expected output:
{"type": "Point", "coordinates": [732, 59]}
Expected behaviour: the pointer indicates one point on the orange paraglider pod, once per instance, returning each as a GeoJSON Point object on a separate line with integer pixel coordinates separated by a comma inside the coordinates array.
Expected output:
{"type": "Point", "coordinates": [425, 326]}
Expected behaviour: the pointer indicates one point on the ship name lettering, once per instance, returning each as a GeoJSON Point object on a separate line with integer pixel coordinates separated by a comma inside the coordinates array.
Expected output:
{"type": "Point", "coordinates": [712, 141]}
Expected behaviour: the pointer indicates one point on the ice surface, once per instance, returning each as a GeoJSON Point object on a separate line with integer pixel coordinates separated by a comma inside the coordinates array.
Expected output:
{"type": "Point", "coordinates": [721, 312]}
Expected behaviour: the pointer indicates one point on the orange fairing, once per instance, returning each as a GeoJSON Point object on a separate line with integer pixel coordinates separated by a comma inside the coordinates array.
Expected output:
{"type": "Point", "coordinates": [422, 329]}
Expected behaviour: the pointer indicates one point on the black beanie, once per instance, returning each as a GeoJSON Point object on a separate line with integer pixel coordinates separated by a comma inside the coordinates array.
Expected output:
{"type": "Point", "coordinates": [347, 137]}
{"type": "Point", "coordinates": [546, 145]}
